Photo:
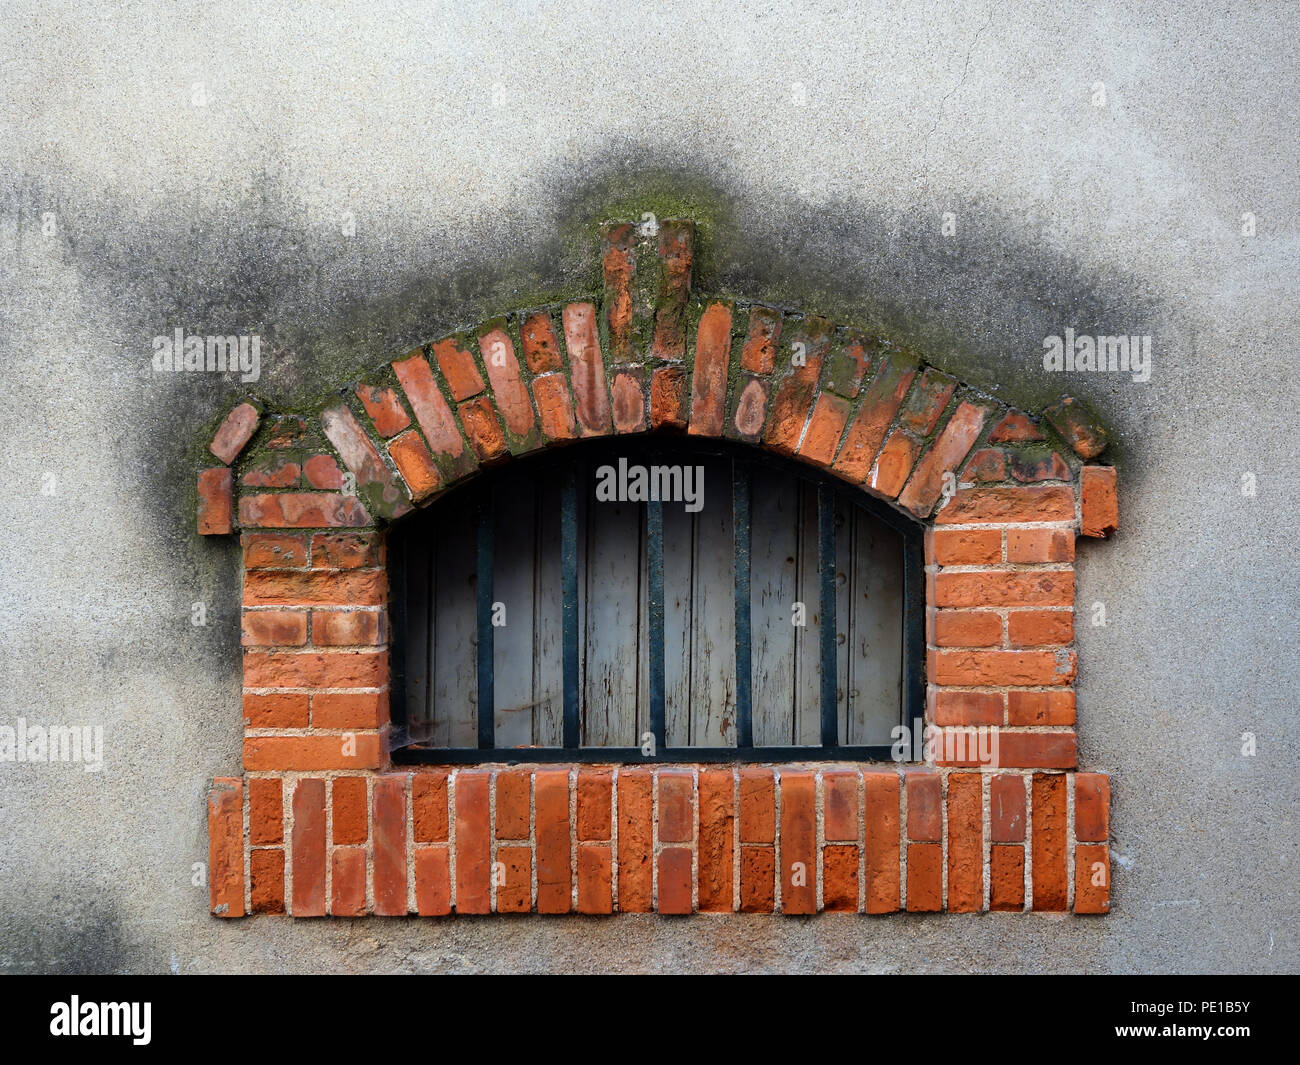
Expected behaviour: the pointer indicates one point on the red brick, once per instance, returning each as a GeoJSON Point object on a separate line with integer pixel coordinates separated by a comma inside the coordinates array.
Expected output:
{"type": "Point", "coordinates": [273, 628]}
{"type": "Point", "coordinates": [875, 415]}
{"type": "Point", "coordinates": [322, 471]}
{"type": "Point", "coordinates": [965, 547]}
{"type": "Point", "coordinates": [484, 431]}
{"type": "Point", "coordinates": [277, 710]}
{"type": "Point", "coordinates": [1037, 750]}
{"type": "Point", "coordinates": [432, 881]}
{"type": "Point", "coordinates": [508, 388]}
{"type": "Point", "coordinates": [266, 873]}
{"type": "Point", "coordinates": [233, 433]}
{"type": "Point", "coordinates": [473, 842]}
{"type": "Point", "coordinates": [302, 510]}
{"type": "Point", "coordinates": [1005, 588]}
{"type": "Point", "coordinates": [432, 411]}
{"type": "Point", "coordinates": [924, 877]}
{"type": "Point", "coordinates": [1049, 842]}
{"type": "Point", "coordinates": [340, 669]}
{"type": "Point", "coordinates": [617, 262]}
{"type": "Point", "coordinates": [1040, 545]}
{"type": "Point", "coordinates": [274, 550]}
{"type": "Point", "coordinates": [554, 407]}
{"type": "Point", "coordinates": [1007, 878]}
{"type": "Point", "coordinates": [1040, 708]}
{"type": "Point", "coordinates": [351, 810]}
{"type": "Point", "coordinates": [668, 398]}
{"type": "Point", "coordinates": [841, 805]}
{"type": "Point", "coordinates": [988, 464]}
{"type": "Point", "coordinates": [415, 464]}
{"type": "Point", "coordinates": [1007, 808]}
{"type": "Point", "coordinates": [1037, 466]}
{"type": "Point", "coordinates": [348, 882]}
{"type": "Point", "coordinates": [347, 628]}
{"type": "Point", "coordinates": [541, 347]}
{"type": "Point", "coordinates": [971, 506]}
{"type": "Point", "coordinates": [751, 409]}
{"type": "Point", "coordinates": [757, 806]}
{"type": "Point", "coordinates": [882, 870]}
{"type": "Point", "coordinates": [893, 464]}
{"type": "Point", "coordinates": [389, 850]}
{"type": "Point", "coordinates": [287, 430]}
{"type": "Point", "coordinates": [1015, 428]}
{"type": "Point", "coordinates": [676, 252]}
{"type": "Point", "coordinates": [675, 880]}
{"type": "Point", "coordinates": [1077, 426]}
{"type": "Point", "coordinates": [1091, 807]}
{"type": "Point", "coordinates": [586, 368]}
{"type": "Point", "coordinates": [927, 400]}
{"type": "Point", "coordinates": [457, 365]}
{"type": "Point", "coordinates": [374, 480]}
{"type": "Point", "coordinates": [313, 753]}
{"type": "Point", "coordinates": [635, 840]}
{"type": "Point", "coordinates": [216, 502]}
{"type": "Point", "coordinates": [798, 842]}
{"type": "Point", "coordinates": [429, 806]}
{"type": "Point", "coordinates": [384, 408]}
{"type": "Point", "coordinates": [1040, 628]}
{"type": "Point", "coordinates": [627, 396]}
{"type": "Point", "coordinates": [822, 436]}
{"type": "Point", "coordinates": [265, 810]}
{"type": "Point", "coordinates": [554, 893]}
{"type": "Point", "coordinates": [514, 798]}
{"type": "Point", "coordinates": [966, 628]}
{"type": "Point", "coordinates": [595, 879]}
{"type": "Point", "coordinates": [676, 806]}
{"type": "Point", "coordinates": [794, 395]}
{"type": "Point", "coordinates": [346, 551]}
{"type": "Point", "coordinates": [924, 805]}
{"type": "Point", "coordinates": [1099, 508]}
{"type": "Point", "coordinates": [272, 471]}
{"type": "Point", "coordinates": [309, 848]}
{"type": "Point", "coordinates": [226, 847]}
{"type": "Point", "coordinates": [717, 822]}
{"type": "Point", "coordinates": [945, 455]}
{"type": "Point", "coordinates": [712, 359]}
{"type": "Point", "coordinates": [349, 710]}
{"type": "Point", "coordinates": [315, 588]}
{"type": "Point", "coordinates": [759, 353]}
{"type": "Point", "coordinates": [965, 843]}
{"type": "Point", "coordinates": [595, 813]}
{"type": "Point", "coordinates": [840, 878]}
{"type": "Point", "coordinates": [1091, 878]}
{"type": "Point", "coordinates": [513, 874]}
{"type": "Point", "coordinates": [757, 879]}
{"type": "Point", "coordinates": [966, 708]}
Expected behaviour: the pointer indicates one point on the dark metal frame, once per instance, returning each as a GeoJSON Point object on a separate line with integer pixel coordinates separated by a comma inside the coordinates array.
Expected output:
{"type": "Point", "coordinates": [658, 451]}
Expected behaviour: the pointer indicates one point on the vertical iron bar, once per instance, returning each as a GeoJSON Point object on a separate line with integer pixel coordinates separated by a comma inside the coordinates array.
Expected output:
{"type": "Point", "coordinates": [913, 634]}
{"type": "Point", "coordinates": [655, 603]}
{"type": "Point", "coordinates": [569, 607]}
{"type": "Point", "coordinates": [740, 518]}
{"type": "Point", "coordinates": [486, 691]}
{"type": "Point", "coordinates": [826, 572]}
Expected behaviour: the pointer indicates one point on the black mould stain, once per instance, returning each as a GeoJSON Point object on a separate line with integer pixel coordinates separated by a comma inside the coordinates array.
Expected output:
{"type": "Point", "coordinates": [330, 306]}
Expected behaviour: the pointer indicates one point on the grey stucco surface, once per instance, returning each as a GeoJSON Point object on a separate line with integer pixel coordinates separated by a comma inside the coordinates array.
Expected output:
{"type": "Point", "coordinates": [474, 144]}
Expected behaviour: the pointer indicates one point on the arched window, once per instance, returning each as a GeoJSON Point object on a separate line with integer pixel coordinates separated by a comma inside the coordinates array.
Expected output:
{"type": "Point", "coordinates": [639, 600]}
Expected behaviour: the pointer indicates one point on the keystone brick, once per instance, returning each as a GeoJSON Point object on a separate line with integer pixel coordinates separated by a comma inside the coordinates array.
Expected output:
{"type": "Point", "coordinates": [709, 383]}
{"type": "Point", "coordinates": [627, 398]}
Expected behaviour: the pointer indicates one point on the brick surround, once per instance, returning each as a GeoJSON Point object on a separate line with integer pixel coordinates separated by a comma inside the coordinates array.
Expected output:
{"type": "Point", "coordinates": [321, 822]}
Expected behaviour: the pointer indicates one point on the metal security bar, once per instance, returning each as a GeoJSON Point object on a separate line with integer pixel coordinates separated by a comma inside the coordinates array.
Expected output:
{"type": "Point", "coordinates": [745, 750]}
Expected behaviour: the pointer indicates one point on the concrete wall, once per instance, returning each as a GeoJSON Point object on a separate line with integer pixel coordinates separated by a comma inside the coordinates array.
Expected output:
{"type": "Point", "coordinates": [473, 146]}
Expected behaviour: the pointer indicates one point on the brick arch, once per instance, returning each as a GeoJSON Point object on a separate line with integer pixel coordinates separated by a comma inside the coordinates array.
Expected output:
{"type": "Point", "coordinates": [647, 354]}
{"type": "Point", "coordinates": [1003, 494]}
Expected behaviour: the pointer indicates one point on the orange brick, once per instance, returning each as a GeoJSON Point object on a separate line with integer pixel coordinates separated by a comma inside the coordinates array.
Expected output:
{"type": "Point", "coordinates": [1039, 628]}
{"type": "Point", "coordinates": [349, 710]}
